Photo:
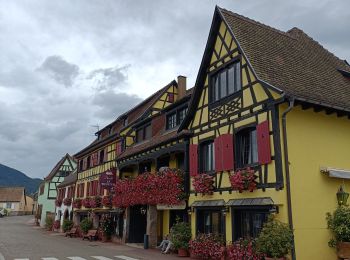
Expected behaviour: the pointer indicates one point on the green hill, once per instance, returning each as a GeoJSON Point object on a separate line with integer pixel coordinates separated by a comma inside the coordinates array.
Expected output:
{"type": "Point", "coordinates": [13, 177]}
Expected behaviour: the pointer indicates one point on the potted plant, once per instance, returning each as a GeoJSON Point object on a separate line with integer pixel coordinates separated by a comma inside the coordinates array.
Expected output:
{"type": "Point", "coordinates": [56, 225]}
{"type": "Point", "coordinates": [339, 224]}
{"type": "Point", "coordinates": [203, 183]}
{"type": "Point", "coordinates": [243, 180]}
{"type": "Point", "coordinates": [207, 246]}
{"type": "Point", "coordinates": [244, 249]}
{"type": "Point", "coordinates": [85, 225]}
{"type": "Point", "coordinates": [107, 227]}
{"type": "Point", "coordinates": [275, 239]}
{"type": "Point", "coordinates": [67, 225]}
{"type": "Point", "coordinates": [180, 235]}
{"type": "Point", "coordinates": [49, 222]}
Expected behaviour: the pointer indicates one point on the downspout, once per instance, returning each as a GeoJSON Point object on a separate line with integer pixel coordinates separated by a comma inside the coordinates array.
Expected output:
{"type": "Point", "coordinates": [286, 168]}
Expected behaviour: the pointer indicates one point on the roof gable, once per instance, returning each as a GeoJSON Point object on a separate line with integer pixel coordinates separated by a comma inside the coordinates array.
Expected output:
{"type": "Point", "coordinates": [66, 164]}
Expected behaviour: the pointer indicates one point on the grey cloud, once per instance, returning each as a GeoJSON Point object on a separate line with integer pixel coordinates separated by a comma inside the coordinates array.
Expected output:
{"type": "Point", "coordinates": [109, 78]}
{"type": "Point", "coordinates": [112, 104]}
{"type": "Point", "coordinates": [60, 70]}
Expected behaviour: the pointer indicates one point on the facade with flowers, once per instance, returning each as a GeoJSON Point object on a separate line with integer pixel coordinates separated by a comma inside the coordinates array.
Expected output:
{"type": "Point", "coordinates": [265, 126]}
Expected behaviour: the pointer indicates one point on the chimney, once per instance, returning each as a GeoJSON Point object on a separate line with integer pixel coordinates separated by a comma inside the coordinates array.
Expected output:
{"type": "Point", "coordinates": [181, 87]}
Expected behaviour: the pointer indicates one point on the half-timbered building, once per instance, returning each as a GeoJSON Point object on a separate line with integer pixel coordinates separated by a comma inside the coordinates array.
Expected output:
{"type": "Point", "coordinates": [47, 193]}
{"type": "Point", "coordinates": [275, 104]}
{"type": "Point", "coordinates": [152, 143]}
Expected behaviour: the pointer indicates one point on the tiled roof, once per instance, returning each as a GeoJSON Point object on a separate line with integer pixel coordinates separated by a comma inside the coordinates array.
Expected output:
{"type": "Point", "coordinates": [70, 179]}
{"type": "Point", "coordinates": [292, 62]}
{"type": "Point", "coordinates": [11, 194]}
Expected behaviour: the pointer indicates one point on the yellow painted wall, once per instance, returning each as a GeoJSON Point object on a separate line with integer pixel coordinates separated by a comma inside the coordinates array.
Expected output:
{"type": "Point", "coordinates": [315, 140]}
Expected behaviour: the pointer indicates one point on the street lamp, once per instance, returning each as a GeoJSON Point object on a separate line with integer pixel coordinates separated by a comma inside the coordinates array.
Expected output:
{"type": "Point", "coordinates": [342, 196]}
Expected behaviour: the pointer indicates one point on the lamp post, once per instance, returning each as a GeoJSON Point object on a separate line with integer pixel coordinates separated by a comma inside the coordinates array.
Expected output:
{"type": "Point", "coordinates": [342, 196]}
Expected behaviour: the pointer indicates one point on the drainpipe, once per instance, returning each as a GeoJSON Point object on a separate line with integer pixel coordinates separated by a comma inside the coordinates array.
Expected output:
{"type": "Point", "coordinates": [286, 168]}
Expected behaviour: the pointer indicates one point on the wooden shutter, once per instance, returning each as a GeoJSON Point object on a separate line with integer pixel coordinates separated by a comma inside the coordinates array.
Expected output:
{"type": "Point", "coordinates": [227, 150]}
{"type": "Point", "coordinates": [84, 163]}
{"type": "Point", "coordinates": [82, 190]}
{"type": "Point", "coordinates": [193, 159]}
{"type": "Point", "coordinates": [263, 140]}
{"type": "Point", "coordinates": [218, 154]}
{"type": "Point", "coordinates": [119, 148]}
{"type": "Point", "coordinates": [88, 189]}
{"type": "Point", "coordinates": [105, 159]}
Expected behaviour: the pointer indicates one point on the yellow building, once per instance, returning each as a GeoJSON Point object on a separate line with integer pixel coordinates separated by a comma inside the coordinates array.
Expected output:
{"type": "Point", "coordinates": [153, 142]}
{"type": "Point", "coordinates": [278, 103]}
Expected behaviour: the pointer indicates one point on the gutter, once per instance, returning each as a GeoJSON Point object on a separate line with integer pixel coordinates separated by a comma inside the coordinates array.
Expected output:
{"type": "Point", "coordinates": [286, 168]}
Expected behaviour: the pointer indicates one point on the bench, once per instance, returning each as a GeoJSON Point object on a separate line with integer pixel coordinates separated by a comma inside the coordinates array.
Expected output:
{"type": "Point", "coordinates": [91, 234]}
{"type": "Point", "coordinates": [72, 232]}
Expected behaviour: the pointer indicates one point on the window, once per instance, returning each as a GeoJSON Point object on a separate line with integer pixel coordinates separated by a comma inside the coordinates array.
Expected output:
{"type": "Point", "coordinates": [42, 187]}
{"type": "Point", "coordinates": [225, 82]}
{"type": "Point", "coordinates": [207, 157]}
{"type": "Point", "coordinates": [209, 221]}
{"type": "Point", "coordinates": [88, 164]}
{"type": "Point", "coordinates": [171, 121]}
{"type": "Point", "coordinates": [247, 223]}
{"type": "Point", "coordinates": [8, 205]}
{"type": "Point", "coordinates": [102, 156]}
{"type": "Point", "coordinates": [175, 118]}
{"type": "Point", "coordinates": [247, 147]}
{"type": "Point", "coordinates": [143, 133]}
{"type": "Point", "coordinates": [81, 165]}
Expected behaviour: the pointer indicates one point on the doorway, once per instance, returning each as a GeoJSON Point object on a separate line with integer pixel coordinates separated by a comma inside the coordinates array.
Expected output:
{"type": "Point", "coordinates": [137, 224]}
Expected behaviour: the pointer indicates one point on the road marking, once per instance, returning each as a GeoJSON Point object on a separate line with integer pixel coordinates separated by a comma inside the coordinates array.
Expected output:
{"type": "Point", "coordinates": [49, 258]}
{"type": "Point", "coordinates": [101, 258]}
{"type": "Point", "coordinates": [125, 257]}
{"type": "Point", "coordinates": [76, 258]}
{"type": "Point", "coordinates": [21, 258]}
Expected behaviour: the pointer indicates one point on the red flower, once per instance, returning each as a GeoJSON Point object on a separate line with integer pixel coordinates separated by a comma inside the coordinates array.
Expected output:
{"type": "Point", "coordinates": [56, 224]}
{"type": "Point", "coordinates": [86, 203]}
{"type": "Point", "coordinates": [58, 202]}
{"type": "Point", "coordinates": [77, 203]}
{"type": "Point", "coordinates": [207, 246]}
{"type": "Point", "coordinates": [203, 183]}
{"type": "Point", "coordinates": [107, 201]}
{"type": "Point", "coordinates": [243, 249]}
{"type": "Point", "coordinates": [67, 201]}
{"type": "Point", "coordinates": [243, 180]}
{"type": "Point", "coordinates": [95, 202]}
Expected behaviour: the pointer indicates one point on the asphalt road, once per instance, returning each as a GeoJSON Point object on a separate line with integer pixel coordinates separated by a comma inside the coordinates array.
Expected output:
{"type": "Point", "coordinates": [20, 239]}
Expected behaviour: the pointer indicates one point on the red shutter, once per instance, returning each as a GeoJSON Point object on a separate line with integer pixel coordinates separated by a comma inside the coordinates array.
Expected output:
{"type": "Point", "coordinates": [193, 159]}
{"type": "Point", "coordinates": [78, 190]}
{"type": "Point", "coordinates": [227, 152]}
{"type": "Point", "coordinates": [119, 148]}
{"type": "Point", "coordinates": [263, 140]}
{"type": "Point", "coordinates": [171, 97]}
{"type": "Point", "coordinates": [88, 189]}
{"type": "Point", "coordinates": [96, 188]}
{"type": "Point", "coordinates": [218, 154]}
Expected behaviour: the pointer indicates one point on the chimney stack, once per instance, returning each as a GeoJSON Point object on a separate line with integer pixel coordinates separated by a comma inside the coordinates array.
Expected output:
{"type": "Point", "coordinates": [181, 87]}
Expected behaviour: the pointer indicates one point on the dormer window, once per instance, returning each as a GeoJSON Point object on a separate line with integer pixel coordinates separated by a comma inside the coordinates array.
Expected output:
{"type": "Point", "coordinates": [225, 82]}
{"type": "Point", "coordinates": [175, 118]}
{"type": "Point", "coordinates": [143, 133]}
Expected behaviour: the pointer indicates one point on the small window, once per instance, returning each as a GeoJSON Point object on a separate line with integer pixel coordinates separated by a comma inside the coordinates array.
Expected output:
{"type": "Point", "coordinates": [247, 149]}
{"type": "Point", "coordinates": [182, 114]}
{"type": "Point", "coordinates": [225, 82]}
{"type": "Point", "coordinates": [171, 121]}
{"type": "Point", "coordinates": [102, 156]}
{"type": "Point", "coordinates": [8, 205]}
{"type": "Point", "coordinates": [209, 221]}
{"type": "Point", "coordinates": [42, 187]}
{"type": "Point", "coordinates": [143, 133]}
{"type": "Point", "coordinates": [247, 223]}
{"type": "Point", "coordinates": [207, 156]}
{"type": "Point", "coordinates": [81, 165]}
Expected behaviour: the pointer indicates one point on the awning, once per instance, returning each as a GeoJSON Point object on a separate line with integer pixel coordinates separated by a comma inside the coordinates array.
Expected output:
{"type": "Point", "coordinates": [267, 201]}
{"type": "Point", "coordinates": [208, 203]}
{"type": "Point", "coordinates": [336, 173]}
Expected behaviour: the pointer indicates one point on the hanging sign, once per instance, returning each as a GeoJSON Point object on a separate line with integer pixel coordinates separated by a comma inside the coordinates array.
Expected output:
{"type": "Point", "coordinates": [108, 179]}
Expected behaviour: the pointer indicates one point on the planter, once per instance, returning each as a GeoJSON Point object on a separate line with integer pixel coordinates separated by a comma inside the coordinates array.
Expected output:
{"type": "Point", "coordinates": [343, 249]}
{"type": "Point", "coordinates": [182, 252]}
{"type": "Point", "coordinates": [269, 258]}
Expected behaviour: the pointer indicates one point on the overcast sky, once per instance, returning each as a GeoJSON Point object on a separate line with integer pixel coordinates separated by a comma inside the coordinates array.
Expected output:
{"type": "Point", "coordinates": [66, 66]}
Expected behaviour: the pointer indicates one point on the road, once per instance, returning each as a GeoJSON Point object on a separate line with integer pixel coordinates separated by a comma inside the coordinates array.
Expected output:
{"type": "Point", "coordinates": [21, 240]}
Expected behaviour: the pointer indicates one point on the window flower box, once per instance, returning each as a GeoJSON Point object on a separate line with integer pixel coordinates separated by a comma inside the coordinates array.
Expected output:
{"type": "Point", "coordinates": [58, 202]}
{"type": "Point", "coordinates": [203, 183]}
{"type": "Point", "coordinates": [243, 180]}
{"type": "Point", "coordinates": [77, 203]}
{"type": "Point", "coordinates": [86, 203]}
{"type": "Point", "coordinates": [67, 201]}
{"type": "Point", "coordinates": [95, 202]}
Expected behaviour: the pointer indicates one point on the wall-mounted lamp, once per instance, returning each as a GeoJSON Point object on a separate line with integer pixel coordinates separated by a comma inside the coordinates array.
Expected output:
{"type": "Point", "coordinates": [274, 209]}
{"type": "Point", "coordinates": [342, 196]}
{"type": "Point", "coordinates": [143, 210]}
{"type": "Point", "coordinates": [225, 210]}
{"type": "Point", "coordinates": [190, 210]}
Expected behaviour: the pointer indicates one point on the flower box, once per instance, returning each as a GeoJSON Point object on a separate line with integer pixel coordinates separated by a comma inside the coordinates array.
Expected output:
{"type": "Point", "coordinates": [67, 201]}
{"type": "Point", "coordinates": [243, 180]}
{"type": "Point", "coordinates": [86, 203]}
{"type": "Point", "coordinates": [77, 203]}
{"type": "Point", "coordinates": [95, 202]}
{"type": "Point", "coordinates": [203, 183]}
{"type": "Point", "coordinates": [58, 202]}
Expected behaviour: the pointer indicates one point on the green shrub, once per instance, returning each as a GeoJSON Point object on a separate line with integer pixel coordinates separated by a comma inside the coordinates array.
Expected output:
{"type": "Point", "coordinates": [49, 222]}
{"type": "Point", "coordinates": [107, 226]}
{"type": "Point", "coordinates": [85, 225]}
{"type": "Point", "coordinates": [67, 225]}
{"type": "Point", "coordinates": [180, 235]}
{"type": "Point", "coordinates": [339, 224]}
{"type": "Point", "coordinates": [275, 239]}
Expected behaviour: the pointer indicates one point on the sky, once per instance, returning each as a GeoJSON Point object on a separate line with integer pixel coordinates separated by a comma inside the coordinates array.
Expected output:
{"type": "Point", "coordinates": [69, 67]}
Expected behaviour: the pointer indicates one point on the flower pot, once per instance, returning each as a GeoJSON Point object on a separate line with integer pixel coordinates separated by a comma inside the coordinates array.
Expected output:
{"type": "Point", "coordinates": [271, 258]}
{"type": "Point", "coordinates": [343, 249]}
{"type": "Point", "coordinates": [105, 239]}
{"type": "Point", "coordinates": [182, 252]}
